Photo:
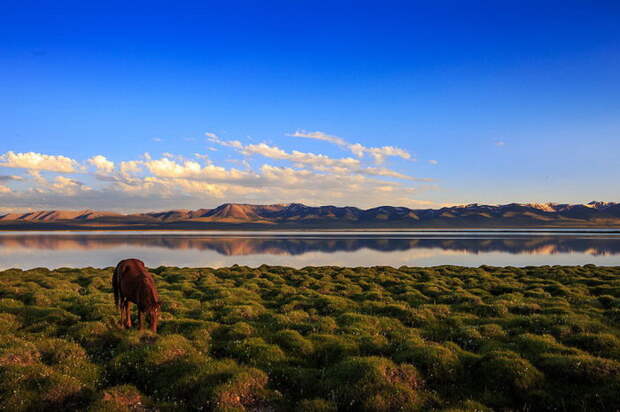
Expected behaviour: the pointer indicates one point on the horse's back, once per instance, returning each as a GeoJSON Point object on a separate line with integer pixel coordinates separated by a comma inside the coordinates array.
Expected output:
{"type": "Point", "coordinates": [130, 267]}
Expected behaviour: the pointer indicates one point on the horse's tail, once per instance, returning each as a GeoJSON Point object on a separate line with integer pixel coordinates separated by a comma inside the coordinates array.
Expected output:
{"type": "Point", "coordinates": [116, 286]}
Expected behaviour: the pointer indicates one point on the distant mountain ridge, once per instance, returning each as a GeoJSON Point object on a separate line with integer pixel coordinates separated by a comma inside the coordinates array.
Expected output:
{"type": "Point", "coordinates": [297, 215]}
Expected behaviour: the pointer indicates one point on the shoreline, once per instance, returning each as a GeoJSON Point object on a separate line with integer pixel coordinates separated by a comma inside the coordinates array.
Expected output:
{"type": "Point", "coordinates": [319, 267]}
{"type": "Point", "coordinates": [533, 229]}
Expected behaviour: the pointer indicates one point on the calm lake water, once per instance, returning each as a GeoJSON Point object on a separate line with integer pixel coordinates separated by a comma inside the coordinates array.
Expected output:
{"type": "Point", "coordinates": [298, 249]}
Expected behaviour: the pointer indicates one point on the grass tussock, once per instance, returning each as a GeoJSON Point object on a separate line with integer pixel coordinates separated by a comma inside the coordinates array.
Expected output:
{"type": "Point", "coordinates": [316, 339]}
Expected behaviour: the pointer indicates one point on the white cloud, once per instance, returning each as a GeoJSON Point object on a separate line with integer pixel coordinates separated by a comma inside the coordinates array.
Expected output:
{"type": "Point", "coordinates": [169, 168]}
{"type": "Point", "coordinates": [500, 143]}
{"type": "Point", "coordinates": [131, 167]}
{"type": "Point", "coordinates": [155, 186]}
{"type": "Point", "coordinates": [229, 143]}
{"type": "Point", "coordinates": [377, 153]}
{"type": "Point", "coordinates": [357, 149]}
{"type": "Point", "coordinates": [39, 161]}
{"type": "Point", "coordinates": [433, 162]}
{"type": "Point", "coordinates": [193, 170]}
{"type": "Point", "coordinates": [60, 185]}
{"type": "Point", "coordinates": [102, 164]}
{"type": "Point", "coordinates": [300, 158]}
{"type": "Point", "coordinates": [380, 153]}
{"type": "Point", "coordinates": [264, 150]}
{"type": "Point", "coordinates": [66, 185]}
{"type": "Point", "coordinates": [381, 171]}
{"type": "Point", "coordinates": [320, 136]}
{"type": "Point", "coordinates": [38, 179]}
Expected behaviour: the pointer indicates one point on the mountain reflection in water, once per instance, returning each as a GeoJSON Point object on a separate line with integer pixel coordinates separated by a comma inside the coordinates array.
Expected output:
{"type": "Point", "coordinates": [297, 245]}
{"type": "Point", "coordinates": [294, 245]}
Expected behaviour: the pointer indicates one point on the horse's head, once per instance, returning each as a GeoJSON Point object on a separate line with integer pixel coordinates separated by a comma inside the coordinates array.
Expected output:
{"type": "Point", "coordinates": [154, 316]}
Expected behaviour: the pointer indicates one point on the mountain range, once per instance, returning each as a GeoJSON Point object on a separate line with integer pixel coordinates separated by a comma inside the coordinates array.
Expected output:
{"type": "Point", "coordinates": [299, 216]}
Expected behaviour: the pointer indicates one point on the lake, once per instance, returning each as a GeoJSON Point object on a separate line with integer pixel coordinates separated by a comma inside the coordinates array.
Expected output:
{"type": "Point", "coordinates": [298, 249]}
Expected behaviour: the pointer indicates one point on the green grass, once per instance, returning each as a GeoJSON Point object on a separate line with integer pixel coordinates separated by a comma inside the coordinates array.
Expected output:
{"type": "Point", "coordinates": [317, 339]}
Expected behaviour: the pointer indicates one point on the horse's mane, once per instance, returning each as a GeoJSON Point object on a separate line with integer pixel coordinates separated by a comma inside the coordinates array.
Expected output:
{"type": "Point", "coordinates": [149, 295]}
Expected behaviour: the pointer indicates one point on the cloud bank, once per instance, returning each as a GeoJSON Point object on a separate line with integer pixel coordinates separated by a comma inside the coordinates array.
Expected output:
{"type": "Point", "coordinates": [267, 174]}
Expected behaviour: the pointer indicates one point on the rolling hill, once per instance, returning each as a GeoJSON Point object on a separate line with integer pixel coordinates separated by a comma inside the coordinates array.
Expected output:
{"type": "Point", "coordinates": [299, 216]}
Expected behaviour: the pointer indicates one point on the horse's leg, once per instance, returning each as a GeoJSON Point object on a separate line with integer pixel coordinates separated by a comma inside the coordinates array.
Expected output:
{"type": "Point", "coordinates": [128, 315]}
{"type": "Point", "coordinates": [121, 308]}
{"type": "Point", "coordinates": [125, 314]}
{"type": "Point", "coordinates": [140, 319]}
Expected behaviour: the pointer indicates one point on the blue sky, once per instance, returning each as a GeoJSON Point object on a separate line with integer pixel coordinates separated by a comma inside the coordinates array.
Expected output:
{"type": "Point", "coordinates": [493, 102]}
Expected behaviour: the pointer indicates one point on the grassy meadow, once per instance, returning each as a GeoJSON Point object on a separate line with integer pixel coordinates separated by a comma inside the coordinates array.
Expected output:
{"type": "Point", "coordinates": [316, 339]}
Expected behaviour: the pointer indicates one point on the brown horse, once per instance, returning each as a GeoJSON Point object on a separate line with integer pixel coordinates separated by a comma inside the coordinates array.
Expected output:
{"type": "Point", "coordinates": [132, 282]}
